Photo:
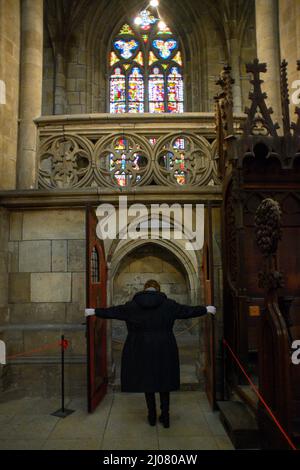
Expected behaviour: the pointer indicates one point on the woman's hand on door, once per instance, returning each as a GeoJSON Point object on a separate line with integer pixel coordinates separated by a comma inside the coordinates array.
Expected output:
{"type": "Point", "coordinates": [211, 309]}
{"type": "Point", "coordinates": [89, 312]}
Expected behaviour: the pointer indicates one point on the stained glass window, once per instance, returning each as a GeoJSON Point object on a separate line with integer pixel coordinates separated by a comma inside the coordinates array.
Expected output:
{"type": "Point", "coordinates": [117, 91]}
{"type": "Point", "coordinates": [123, 158]}
{"type": "Point", "coordinates": [146, 68]}
{"type": "Point", "coordinates": [175, 160]}
{"type": "Point", "coordinates": [156, 91]}
{"type": "Point", "coordinates": [136, 91]}
{"type": "Point", "coordinates": [175, 91]}
{"type": "Point", "coordinates": [165, 48]}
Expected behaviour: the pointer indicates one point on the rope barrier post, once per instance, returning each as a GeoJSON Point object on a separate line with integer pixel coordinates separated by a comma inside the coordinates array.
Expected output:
{"type": "Point", "coordinates": [63, 412]}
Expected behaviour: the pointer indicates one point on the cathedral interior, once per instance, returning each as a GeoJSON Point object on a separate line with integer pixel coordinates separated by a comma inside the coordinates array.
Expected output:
{"type": "Point", "coordinates": [170, 102]}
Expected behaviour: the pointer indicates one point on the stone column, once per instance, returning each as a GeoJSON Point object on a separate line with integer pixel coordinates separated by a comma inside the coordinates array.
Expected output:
{"type": "Point", "coordinates": [236, 74]}
{"type": "Point", "coordinates": [60, 83]}
{"type": "Point", "coordinates": [31, 90]}
{"type": "Point", "coordinates": [268, 50]}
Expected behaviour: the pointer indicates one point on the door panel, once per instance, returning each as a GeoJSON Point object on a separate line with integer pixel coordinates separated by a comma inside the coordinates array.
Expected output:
{"type": "Point", "coordinates": [96, 274]}
{"type": "Point", "coordinates": [209, 328]}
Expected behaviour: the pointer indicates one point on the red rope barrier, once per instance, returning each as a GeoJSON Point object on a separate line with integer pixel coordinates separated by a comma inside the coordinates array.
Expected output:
{"type": "Point", "coordinates": [35, 351]}
{"type": "Point", "coordinates": [260, 397]}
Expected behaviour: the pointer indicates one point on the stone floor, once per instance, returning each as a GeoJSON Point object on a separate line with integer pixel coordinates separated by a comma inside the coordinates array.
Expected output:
{"type": "Point", "coordinates": [119, 423]}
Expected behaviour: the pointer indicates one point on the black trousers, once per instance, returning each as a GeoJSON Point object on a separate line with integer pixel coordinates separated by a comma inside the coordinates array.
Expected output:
{"type": "Point", "coordinates": [164, 402]}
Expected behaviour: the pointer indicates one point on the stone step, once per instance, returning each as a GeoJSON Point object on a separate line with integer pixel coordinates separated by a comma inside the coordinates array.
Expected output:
{"type": "Point", "coordinates": [184, 387]}
{"type": "Point", "coordinates": [240, 424]}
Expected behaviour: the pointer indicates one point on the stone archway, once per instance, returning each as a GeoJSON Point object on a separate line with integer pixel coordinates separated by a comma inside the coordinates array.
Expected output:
{"type": "Point", "coordinates": [134, 262]}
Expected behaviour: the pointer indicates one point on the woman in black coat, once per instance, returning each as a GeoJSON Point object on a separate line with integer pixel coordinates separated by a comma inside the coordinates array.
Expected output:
{"type": "Point", "coordinates": [150, 361]}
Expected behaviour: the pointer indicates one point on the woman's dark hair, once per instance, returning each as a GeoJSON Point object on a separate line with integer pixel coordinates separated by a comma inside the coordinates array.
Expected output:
{"type": "Point", "coordinates": [152, 283]}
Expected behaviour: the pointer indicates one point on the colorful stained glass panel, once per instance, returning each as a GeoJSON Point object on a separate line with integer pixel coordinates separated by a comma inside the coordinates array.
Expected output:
{"type": "Point", "coordinates": [113, 59]}
{"type": "Point", "coordinates": [140, 59]}
{"type": "Point", "coordinates": [118, 162]}
{"type": "Point", "coordinates": [164, 30]}
{"type": "Point", "coordinates": [165, 48]}
{"type": "Point", "coordinates": [175, 108]}
{"type": "Point", "coordinates": [117, 91]}
{"type": "Point", "coordinates": [136, 85]}
{"type": "Point", "coordinates": [153, 141]}
{"type": "Point", "coordinates": [152, 58]}
{"type": "Point", "coordinates": [126, 49]}
{"type": "Point", "coordinates": [147, 20]}
{"type": "Point", "coordinates": [158, 107]}
{"type": "Point", "coordinates": [156, 88]}
{"type": "Point", "coordinates": [126, 30]}
{"type": "Point", "coordinates": [136, 107]}
{"type": "Point", "coordinates": [117, 108]}
{"type": "Point", "coordinates": [175, 91]}
{"type": "Point", "coordinates": [179, 144]}
{"type": "Point", "coordinates": [178, 58]}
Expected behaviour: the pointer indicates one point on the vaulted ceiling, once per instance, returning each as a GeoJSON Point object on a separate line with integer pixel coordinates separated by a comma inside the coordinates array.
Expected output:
{"type": "Point", "coordinates": [230, 16]}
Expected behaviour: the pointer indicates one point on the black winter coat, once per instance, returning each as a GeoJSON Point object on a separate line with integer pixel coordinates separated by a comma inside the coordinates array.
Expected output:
{"type": "Point", "coordinates": [150, 361]}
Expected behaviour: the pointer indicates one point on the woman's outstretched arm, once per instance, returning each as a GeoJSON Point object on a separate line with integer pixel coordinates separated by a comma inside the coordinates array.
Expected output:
{"type": "Point", "coordinates": [187, 311]}
{"type": "Point", "coordinates": [118, 312]}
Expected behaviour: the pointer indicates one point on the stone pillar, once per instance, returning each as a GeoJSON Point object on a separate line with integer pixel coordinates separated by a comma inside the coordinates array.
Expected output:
{"type": "Point", "coordinates": [60, 84]}
{"type": "Point", "coordinates": [268, 50]}
{"type": "Point", "coordinates": [235, 66]}
{"type": "Point", "coordinates": [31, 90]}
{"type": "Point", "coordinates": [9, 90]}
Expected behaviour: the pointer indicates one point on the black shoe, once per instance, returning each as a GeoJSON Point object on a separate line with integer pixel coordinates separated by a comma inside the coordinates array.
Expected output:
{"type": "Point", "coordinates": [152, 420]}
{"type": "Point", "coordinates": [165, 420]}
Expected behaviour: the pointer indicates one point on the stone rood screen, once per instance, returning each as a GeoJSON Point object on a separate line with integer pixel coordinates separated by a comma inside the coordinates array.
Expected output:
{"type": "Point", "coordinates": [99, 154]}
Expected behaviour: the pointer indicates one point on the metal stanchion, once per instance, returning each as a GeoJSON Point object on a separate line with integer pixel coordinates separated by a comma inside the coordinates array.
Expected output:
{"type": "Point", "coordinates": [63, 412]}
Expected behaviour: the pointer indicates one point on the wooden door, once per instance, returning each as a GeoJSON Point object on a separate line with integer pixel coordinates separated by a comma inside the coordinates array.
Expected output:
{"type": "Point", "coordinates": [96, 274]}
{"type": "Point", "coordinates": [209, 326]}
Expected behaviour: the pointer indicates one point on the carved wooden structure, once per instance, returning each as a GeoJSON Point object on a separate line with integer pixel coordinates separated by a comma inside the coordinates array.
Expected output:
{"type": "Point", "coordinates": [261, 314]}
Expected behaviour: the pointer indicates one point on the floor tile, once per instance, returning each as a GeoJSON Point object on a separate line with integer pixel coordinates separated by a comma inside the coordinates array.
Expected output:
{"type": "Point", "coordinates": [138, 443]}
{"type": "Point", "coordinates": [187, 443]}
{"type": "Point", "coordinates": [15, 444]}
{"type": "Point", "coordinates": [214, 423]}
{"type": "Point", "coordinates": [120, 422]}
{"type": "Point", "coordinates": [72, 444]}
{"type": "Point", "coordinates": [224, 443]}
{"type": "Point", "coordinates": [28, 427]}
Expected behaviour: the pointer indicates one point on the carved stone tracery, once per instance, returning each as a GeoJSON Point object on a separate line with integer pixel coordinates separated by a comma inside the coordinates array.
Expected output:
{"type": "Point", "coordinates": [126, 160]}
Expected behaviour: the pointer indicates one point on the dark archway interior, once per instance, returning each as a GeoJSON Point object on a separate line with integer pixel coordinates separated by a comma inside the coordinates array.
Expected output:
{"type": "Point", "coordinates": [153, 262]}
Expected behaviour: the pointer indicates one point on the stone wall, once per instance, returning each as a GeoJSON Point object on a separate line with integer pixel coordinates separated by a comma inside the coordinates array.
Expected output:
{"type": "Point", "coordinates": [9, 74]}
{"type": "Point", "coordinates": [248, 54]}
{"type": "Point", "coordinates": [48, 76]}
{"type": "Point", "coordinates": [46, 297]}
{"type": "Point", "coordinates": [4, 235]}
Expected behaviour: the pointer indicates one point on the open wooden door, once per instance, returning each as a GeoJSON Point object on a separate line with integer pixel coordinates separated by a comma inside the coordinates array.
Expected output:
{"type": "Point", "coordinates": [96, 274]}
{"type": "Point", "coordinates": [209, 329]}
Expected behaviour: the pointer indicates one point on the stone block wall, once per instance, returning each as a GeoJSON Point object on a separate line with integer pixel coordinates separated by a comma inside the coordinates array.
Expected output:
{"type": "Point", "coordinates": [4, 235]}
{"type": "Point", "coordinates": [46, 297]}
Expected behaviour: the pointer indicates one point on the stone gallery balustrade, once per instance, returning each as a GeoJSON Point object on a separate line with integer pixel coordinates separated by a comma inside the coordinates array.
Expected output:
{"type": "Point", "coordinates": [112, 151]}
